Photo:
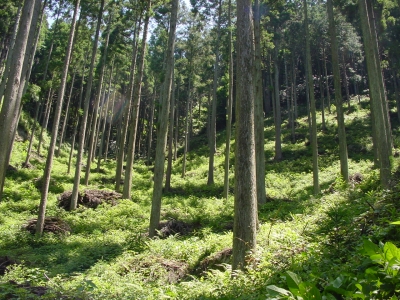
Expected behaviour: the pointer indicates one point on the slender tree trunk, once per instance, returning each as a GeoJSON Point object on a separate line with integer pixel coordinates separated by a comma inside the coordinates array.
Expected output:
{"type": "Point", "coordinates": [328, 94]}
{"type": "Point", "coordinates": [346, 83]}
{"type": "Point", "coordinates": [110, 124]}
{"type": "Point", "coordinates": [10, 52]}
{"type": "Point", "coordinates": [176, 125]}
{"type": "Point", "coordinates": [185, 150]}
{"type": "Point", "coordinates": [50, 155]}
{"type": "Point", "coordinates": [126, 118]}
{"type": "Point", "coordinates": [170, 138]}
{"type": "Point", "coordinates": [210, 180]}
{"type": "Point", "coordinates": [229, 109]}
{"type": "Point", "coordinates": [82, 133]}
{"type": "Point", "coordinates": [294, 100]}
{"type": "Point", "coordinates": [103, 130]}
{"type": "Point", "coordinates": [163, 121]}
{"type": "Point", "coordinates": [396, 93]}
{"type": "Point", "coordinates": [258, 110]}
{"type": "Point", "coordinates": [46, 118]}
{"type": "Point", "coordinates": [314, 144]}
{"type": "Point", "coordinates": [64, 126]}
{"type": "Point", "coordinates": [126, 192]}
{"type": "Point", "coordinates": [377, 98]}
{"type": "Point", "coordinates": [277, 116]}
{"type": "Point", "coordinates": [150, 127]}
{"type": "Point", "coordinates": [95, 126]}
{"type": "Point", "coordinates": [245, 207]}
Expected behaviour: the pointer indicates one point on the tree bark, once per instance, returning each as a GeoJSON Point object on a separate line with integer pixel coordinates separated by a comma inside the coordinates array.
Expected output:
{"type": "Point", "coordinates": [50, 155]}
{"type": "Point", "coordinates": [245, 206]}
{"type": "Point", "coordinates": [277, 110]}
{"type": "Point", "coordinates": [344, 167]}
{"type": "Point", "coordinates": [126, 192]}
{"type": "Point", "coordinates": [163, 121]}
{"type": "Point", "coordinates": [377, 98]}
{"type": "Point", "coordinates": [213, 143]}
{"type": "Point", "coordinates": [229, 109]}
{"type": "Point", "coordinates": [82, 133]}
{"type": "Point", "coordinates": [314, 143]}
{"type": "Point", "coordinates": [258, 110]}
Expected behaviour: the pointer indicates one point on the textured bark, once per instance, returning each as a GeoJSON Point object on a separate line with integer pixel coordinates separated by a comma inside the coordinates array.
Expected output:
{"type": "Point", "coordinates": [150, 127]}
{"type": "Point", "coordinates": [103, 129]}
{"type": "Point", "coordinates": [163, 121]}
{"type": "Point", "coordinates": [126, 192]}
{"type": "Point", "coordinates": [64, 126]}
{"type": "Point", "coordinates": [229, 109]}
{"type": "Point", "coordinates": [57, 116]}
{"type": "Point", "coordinates": [345, 81]}
{"type": "Point", "coordinates": [344, 167]}
{"type": "Point", "coordinates": [95, 125]}
{"type": "Point", "coordinates": [170, 139]}
{"type": "Point", "coordinates": [328, 94]}
{"type": "Point", "coordinates": [127, 114]}
{"type": "Point", "coordinates": [46, 118]}
{"type": "Point", "coordinates": [277, 110]}
{"type": "Point", "coordinates": [110, 125]}
{"type": "Point", "coordinates": [245, 207]}
{"type": "Point", "coordinates": [185, 149]}
{"type": "Point", "coordinates": [82, 132]}
{"type": "Point", "coordinates": [213, 133]}
{"type": "Point", "coordinates": [8, 58]}
{"type": "Point", "coordinates": [314, 143]}
{"type": "Point", "coordinates": [258, 109]}
{"type": "Point", "coordinates": [377, 98]}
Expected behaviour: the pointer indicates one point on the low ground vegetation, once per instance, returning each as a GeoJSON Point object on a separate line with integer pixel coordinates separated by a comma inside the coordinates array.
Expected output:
{"type": "Point", "coordinates": [341, 243]}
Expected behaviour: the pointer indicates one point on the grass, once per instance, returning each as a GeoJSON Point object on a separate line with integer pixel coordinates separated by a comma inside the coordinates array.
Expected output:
{"type": "Point", "coordinates": [108, 256]}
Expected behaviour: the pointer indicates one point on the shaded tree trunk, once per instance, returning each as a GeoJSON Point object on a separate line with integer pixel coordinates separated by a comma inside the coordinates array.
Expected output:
{"type": "Point", "coordinates": [50, 155]}
{"type": "Point", "coordinates": [245, 206]}
{"type": "Point", "coordinates": [163, 121]}
{"type": "Point", "coordinates": [82, 133]}
{"type": "Point", "coordinates": [314, 143]}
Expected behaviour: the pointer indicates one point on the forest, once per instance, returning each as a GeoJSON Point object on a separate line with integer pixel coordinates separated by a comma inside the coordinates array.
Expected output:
{"type": "Point", "coordinates": [199, 149]}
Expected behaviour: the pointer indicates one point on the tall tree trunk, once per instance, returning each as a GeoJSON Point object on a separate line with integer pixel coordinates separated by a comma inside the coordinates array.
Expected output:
{"type": "Point", "coordinates": [57, 116]}
{"type": "Point", "coordinates": [185, 150]}
{"type": "Point", "coordinates": [314, 143]}
{"type": "Point", "coordinates": [170, 139]}
{"type": "Point", "coordinates": [163, 121]}
{"type": "Point", "coordinates": [127, 114]}
{"type": "Point", "coordinates": [213, 144]}
{"type": "Point", "coordinates": [64, 126]}
{"type": "Point", "coordinates": [229, 109]}
{"type": "Point", "coordinates": [103, 130]}
{"type": "Point", "coordinates": [245, 206]}
{"type": "Point", "coordinates": [328, 94]}
{"type": "Point", "coordinates": [110, 124]}
{"type": "Point", "coordinates": [82, 133]}
{"type": "Point", "coordinates": [46, 118]}
{"type": "Point", "coordinates": [95, 126]}
{"type": "Point", "coordinates": [377, 98]}
{"type": "Point", "coordinates": [150, 127]}
{"type": "Point", "coordinates": [277, 115]}
{"type": "Point", "coordinates": [126, 192]}
{"type": "Point", "coordinates": [258, 110]}
{"type": "Point", "coordinates": [346, 82]}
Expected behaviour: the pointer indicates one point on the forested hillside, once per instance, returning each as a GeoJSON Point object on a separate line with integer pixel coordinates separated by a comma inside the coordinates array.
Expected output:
{"type": "Point", "coordinates": [210, 149]}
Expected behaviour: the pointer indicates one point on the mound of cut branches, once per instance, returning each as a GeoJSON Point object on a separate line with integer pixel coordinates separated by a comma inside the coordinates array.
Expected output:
{"type": "Point", "coordinates": [215, 261]}
{"type": "Point", "coordinates": [172, 227]}
{"type": "Point", "coordinates": [89, 198]}
{"type": "Point", "coordinates": [51, 224]}
{"type": "Point", "coordinates": [5, 261]}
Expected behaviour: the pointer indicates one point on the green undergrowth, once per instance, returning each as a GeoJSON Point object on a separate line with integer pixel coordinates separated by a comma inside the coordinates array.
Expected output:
{"type": "Point", "coordinates": [305, 243]}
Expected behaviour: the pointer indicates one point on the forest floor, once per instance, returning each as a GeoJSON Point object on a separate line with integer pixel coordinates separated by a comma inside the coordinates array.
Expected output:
{"type": "Point", "coordinates": [318, 244]}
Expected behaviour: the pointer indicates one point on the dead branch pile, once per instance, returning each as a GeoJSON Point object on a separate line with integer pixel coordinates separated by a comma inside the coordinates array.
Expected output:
{"type": "Point", "coordinates": [215, 261]}
{"type": "Point", "coordinates": [5, 261]}
{"type": "Point", "coordinates": [51, 224]}
{"type": "Point", "coordinates": [89, 198]}
{"type": "Point", "coordinates": [172, 227]}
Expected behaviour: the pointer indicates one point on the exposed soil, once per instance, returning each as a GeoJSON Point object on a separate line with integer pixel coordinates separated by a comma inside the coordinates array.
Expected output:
{"type": "Point", "coordinates": [215, 261]}
{"type": "Point", "coordinates": [51, 224]}
{"type": "Point", "coordinates": [89, 198]}
{"type": "Point", "coordinates": [5, 261]}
